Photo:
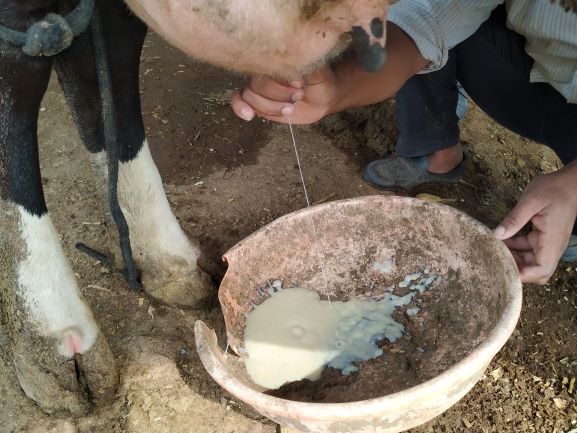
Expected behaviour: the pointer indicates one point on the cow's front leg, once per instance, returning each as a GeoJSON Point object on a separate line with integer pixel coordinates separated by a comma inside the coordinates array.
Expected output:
{"type": "Point", "coordinates": [61, 358]}
{"type": "Point", "coordinates": [166, 257]}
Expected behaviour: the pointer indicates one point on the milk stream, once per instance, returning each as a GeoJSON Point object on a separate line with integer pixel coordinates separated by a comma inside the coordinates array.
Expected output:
{"type": "Point", "coordinates": [314, 228]}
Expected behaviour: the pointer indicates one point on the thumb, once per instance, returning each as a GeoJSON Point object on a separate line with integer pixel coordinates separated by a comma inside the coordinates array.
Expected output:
{"type": "Point", "coordinates": [520, 215]}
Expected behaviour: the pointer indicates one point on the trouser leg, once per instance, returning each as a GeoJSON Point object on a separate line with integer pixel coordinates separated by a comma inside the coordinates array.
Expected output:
{"type": "Point", "coordinates": [426, 112]}
{"type": "Point", "coordinates": [493, 68]}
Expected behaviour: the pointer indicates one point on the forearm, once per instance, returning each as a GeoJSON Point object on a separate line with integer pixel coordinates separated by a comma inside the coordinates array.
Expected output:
{"type": "Point", "coordinates": [357, 88]}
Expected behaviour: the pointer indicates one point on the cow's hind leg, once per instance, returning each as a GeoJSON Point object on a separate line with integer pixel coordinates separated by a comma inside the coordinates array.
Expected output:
{"type": "Point", "coordinates": [166, 257]}
{"type": "Point", "coordinates": [61, 359]}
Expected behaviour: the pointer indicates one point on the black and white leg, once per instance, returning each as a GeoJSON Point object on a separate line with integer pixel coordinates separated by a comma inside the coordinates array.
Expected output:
{"type": "Point", "coordinates": [166, 257]}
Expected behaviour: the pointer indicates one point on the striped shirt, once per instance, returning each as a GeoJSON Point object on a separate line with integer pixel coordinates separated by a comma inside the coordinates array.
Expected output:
{"type": "Point", "coordinates": [436, 26]}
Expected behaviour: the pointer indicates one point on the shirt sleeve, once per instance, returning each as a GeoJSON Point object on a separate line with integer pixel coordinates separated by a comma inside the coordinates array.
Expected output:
{"type": "Point", "coordinates": [436, 26]}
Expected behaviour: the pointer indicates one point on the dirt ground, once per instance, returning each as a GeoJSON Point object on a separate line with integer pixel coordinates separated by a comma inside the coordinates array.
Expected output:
{"type": "Point", "coordinates": [226, 178]}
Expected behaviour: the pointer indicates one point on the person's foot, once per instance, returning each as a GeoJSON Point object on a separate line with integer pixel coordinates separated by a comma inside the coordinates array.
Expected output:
{"type": "Point", "coordinates": [570, 254]}
{"type": "Point", "coordinates": [444, 166]}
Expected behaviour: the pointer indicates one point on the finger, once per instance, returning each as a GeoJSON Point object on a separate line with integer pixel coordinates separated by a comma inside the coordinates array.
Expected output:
{"type": "Point", "coordinates": [519, 260]}
{"type": "Point", "coordinates": [521, 214]}
{"type": "Point", "coordinates": [264, 105]}
{"type": "Point", "coordinates": [297, 84]}
{"type": "Point", "coordinates": [541, 262]}
{"type": "Point", "coordinates": [275, 90]}
{"type": "Point", "coordinates": [536, 274]}
{"type": "Point", "coordinates": [519, 243]}
{"type": "Point", "coordinates": [241, 108]}
{"type": "Point", "coordinates": [295, 118]}
{"type": "Point", "coordinates": [547, 249]}
{"type": "Point", "coordinates": [528, 259]}
{"type": "Point", "coordinates": [277, 118]}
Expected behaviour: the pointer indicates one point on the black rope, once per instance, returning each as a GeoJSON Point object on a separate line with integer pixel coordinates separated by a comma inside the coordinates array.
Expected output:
{"type": "Point", "coordinates": [97, 255]}
{"type": "Point", "coordinates": [112, 149]}
{"type": "Point", "coordinates": [103, 259]}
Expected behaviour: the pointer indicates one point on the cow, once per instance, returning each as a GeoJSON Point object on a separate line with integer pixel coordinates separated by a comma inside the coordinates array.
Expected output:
{"type": "Point", "coordinates": [61, 358]}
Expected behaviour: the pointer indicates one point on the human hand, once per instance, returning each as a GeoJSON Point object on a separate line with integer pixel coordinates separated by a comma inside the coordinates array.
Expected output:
{"type": "Point", "coordinates": [550, 203]}
{"type": "Point", "coordinates": [303, 101]}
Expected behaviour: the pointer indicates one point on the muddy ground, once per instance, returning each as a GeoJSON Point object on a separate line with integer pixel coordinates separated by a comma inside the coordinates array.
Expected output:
{"type": "Point", "coordinates": [225, 178]}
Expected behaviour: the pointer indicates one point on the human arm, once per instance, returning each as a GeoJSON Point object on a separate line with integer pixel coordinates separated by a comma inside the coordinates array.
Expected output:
{"type": "Point", "coordinates": [430, 26]}
{"type": "Point", "coordinates": [550, 203]}
{"type": "Point", "coordinates": [332, 89]}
